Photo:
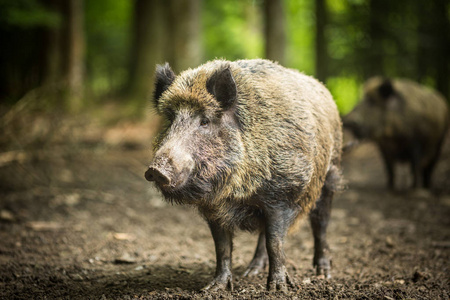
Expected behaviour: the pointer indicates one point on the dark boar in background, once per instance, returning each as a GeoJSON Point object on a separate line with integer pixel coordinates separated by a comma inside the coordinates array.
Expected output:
{"type": "Point", "coordinates": [254, 146]}
{"type": "Point", "coordinates": [406, 120]}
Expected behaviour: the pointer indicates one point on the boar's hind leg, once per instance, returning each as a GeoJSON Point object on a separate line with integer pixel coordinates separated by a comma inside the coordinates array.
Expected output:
{"type": "Point", "coordinates": [319, 218]}
{"type": "Point", "coordinates": [428, 170]}
{"type": "Point", "coordinates": [389, 166]}
{"type": "Point", "coordinates": [277, 221]}
{"type": "Point", "coordinates": [224, 246]}
{"type": "Point", "coordinates": [260, 259]}
{"type": "Point", "coordinates": [416, 154]}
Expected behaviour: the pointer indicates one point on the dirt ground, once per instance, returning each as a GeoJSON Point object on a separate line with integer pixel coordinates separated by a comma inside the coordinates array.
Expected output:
{"type": "Point", "coordinates": [79, 221]}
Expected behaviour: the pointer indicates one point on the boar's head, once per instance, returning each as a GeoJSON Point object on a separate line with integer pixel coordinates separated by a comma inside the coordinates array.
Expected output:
{"type": "Point", "coordinates": [379, 112]}
{"type": "Point", "coordinates": [200, 142]}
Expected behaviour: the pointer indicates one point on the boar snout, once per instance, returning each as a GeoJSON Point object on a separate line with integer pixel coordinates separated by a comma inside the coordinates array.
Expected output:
{"type": "Point", "coordinates": [169, 173]}
{"type": "Point", "coordinates": [160, 176]}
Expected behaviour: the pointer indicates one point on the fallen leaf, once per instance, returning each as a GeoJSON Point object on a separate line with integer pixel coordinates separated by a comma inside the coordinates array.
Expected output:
{"type": "Point", "coordinates": [6, 215]}
{"type": "Point", "coordinates": [306, 281]}
{"type": "Point", "coordinates": [125, 259]}
{"type": "Point", "coordinates": [389, 242]}
{"type": "Point", "coordinates": [124, 236]}
{"type": "Point", "coordinates": [418, 276]}
{"type": "Point", "coordinates": [43, 226]}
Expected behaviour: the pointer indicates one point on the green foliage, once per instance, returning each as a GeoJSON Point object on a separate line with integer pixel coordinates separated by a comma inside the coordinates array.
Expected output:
{"type": "Point", "coordinates": [27, 14]}
{"type": "Point", "coordinates": [300, 35]}
{"type": "Point", "coordinates": [346, 91]}
{"type": "Point", "coordinates": [108, 33]}
{"type": "Point", "coordinates": [232, 29]}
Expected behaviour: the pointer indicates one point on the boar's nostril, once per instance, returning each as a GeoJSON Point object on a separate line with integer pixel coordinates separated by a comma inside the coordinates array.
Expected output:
{"type": "Point", "coordinates": [153, 174]}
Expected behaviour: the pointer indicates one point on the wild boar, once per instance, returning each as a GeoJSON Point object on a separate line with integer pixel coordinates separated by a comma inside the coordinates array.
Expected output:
{"type": "Point", "coordinates": [406, 120]}
{"type": "Point", "coordinates": [254, 146]}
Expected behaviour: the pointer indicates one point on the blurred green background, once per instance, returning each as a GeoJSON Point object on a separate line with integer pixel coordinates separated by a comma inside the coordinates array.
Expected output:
{"type": "Point", "coordinates": [81, 53]}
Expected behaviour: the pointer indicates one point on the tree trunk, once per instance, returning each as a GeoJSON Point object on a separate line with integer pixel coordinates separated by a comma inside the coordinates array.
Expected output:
{"type": "Point", "coordinates": [275, 35]}
{"type": "Point", "coordinates": [185, 39]}
{"type": "Point", "coordinates": [52, 69]}
{"type": "Point", "coordinates": [441, 31]}
{"type": "Point", "coordinates": [74, 49]}
{"type": "Point", "coordinates": [422, 41]}
{"type": "Point", "coordinates": [147, 46]}
{"type": "Point", "coordinates": [320, 42]}
{"type": "Point", "coordinates": [433, 48]}
{"type": "Point", "coordinates": [375, 56]}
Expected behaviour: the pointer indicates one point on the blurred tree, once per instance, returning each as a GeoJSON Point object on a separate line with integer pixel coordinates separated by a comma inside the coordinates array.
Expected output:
{"type": "Point", "coordinates": [23, 24]}
{"type": "Point", "coordinates": [163, 31]}
{"type": "Point", "coordinates": [442, 45]}
{"type": "Point", "coordinates": [45, 46]}
{"type": "Point", "coordinates": [342, 41]}
{"type": "Point", "coordinates": [53, 47]}
{"type": "Point", "coordinates": [74, 45]}
{"type": "Point", "coordinates": [378, 9]}
{"type": "Point", "coordinates": [422, 41]}
{"type": "Point", "coordinates": [300, 35]}
{"type": "Point", "coordinates": [321, 60]}
{"type": "Point", "coordinates": [148, 31]}
{"type": "Point", "coordinates": [274, 30]}
{"type": "Point", "coordinates": [433, 47]}
{"type": "Point", "coordinates": [184, 40]}
{"type": "Point", "coordinates": [232, 29]}
{"type": "Point", "coordinates": [108, 39]}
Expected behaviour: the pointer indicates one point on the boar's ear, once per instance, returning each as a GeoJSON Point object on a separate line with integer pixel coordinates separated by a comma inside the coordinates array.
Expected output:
{"type": "Point", "coordinates": [392, 99]}
{"type": "Point", "coordinates": [223, 87]}
{"type": "Point", "coordinates": [163, 79]}
{"type": "Point", "coordinates": [386, 89]}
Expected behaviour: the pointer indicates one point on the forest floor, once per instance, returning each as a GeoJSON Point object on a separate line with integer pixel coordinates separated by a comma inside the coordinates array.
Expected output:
{"type": "Point", "coordinates": [79, 221]}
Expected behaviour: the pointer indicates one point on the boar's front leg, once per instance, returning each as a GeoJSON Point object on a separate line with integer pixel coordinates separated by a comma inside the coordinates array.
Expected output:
{"type": "Point", "coordinates": [223, 241]}
{"type": "Point", "coordinates": [277, 221]}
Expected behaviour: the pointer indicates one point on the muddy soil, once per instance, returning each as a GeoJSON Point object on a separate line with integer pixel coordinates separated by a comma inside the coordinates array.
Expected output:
{"type": "Point", "coordinates": [79, 221]}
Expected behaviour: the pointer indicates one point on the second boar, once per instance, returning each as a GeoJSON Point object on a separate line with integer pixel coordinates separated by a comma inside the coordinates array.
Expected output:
{"type": "Point", "coordinates": [406, 120]}
{"type": "Point", "coordinates": [254, 146]}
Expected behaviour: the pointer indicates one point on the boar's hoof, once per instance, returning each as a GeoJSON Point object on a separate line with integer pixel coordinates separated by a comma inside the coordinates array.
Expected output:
{"type": "Point", "coordinates": [323, 268]}
{"type": "Point", "coordinates": [280, 284]}
{"type": "Point", "coordinates": [219, 283]}
{"type": "Point", "coordinates": [257, 265]}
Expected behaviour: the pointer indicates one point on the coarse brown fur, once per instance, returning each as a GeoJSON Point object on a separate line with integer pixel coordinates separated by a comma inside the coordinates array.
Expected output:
{"type": "Point", "coordinates": [254, 146]}
{"type": "Point", "coordinates": [289, 137]}
{"type": "Point", "coordinates": [406, 120]}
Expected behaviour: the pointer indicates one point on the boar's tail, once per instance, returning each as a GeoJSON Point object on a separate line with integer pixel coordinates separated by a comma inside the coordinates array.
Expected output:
{"type": "Point", "coordinates": [348, 147]}
{"type": "Point", "coordinates": [334, 182]}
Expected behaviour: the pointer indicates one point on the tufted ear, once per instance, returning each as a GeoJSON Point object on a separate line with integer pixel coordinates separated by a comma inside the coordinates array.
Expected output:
{"type": "Point", "coordinates": [223, 87]}
{"type": "Point", "coordinates": [393, 100]}
{"type": "Point", "coordinates": [163, 79]}
{"type": "Point", "coordinates": [386, 89]}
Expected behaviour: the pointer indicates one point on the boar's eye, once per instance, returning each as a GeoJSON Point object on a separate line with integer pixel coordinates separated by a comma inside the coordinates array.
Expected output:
{"type": "Point", "coordinates": [204, 122]}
